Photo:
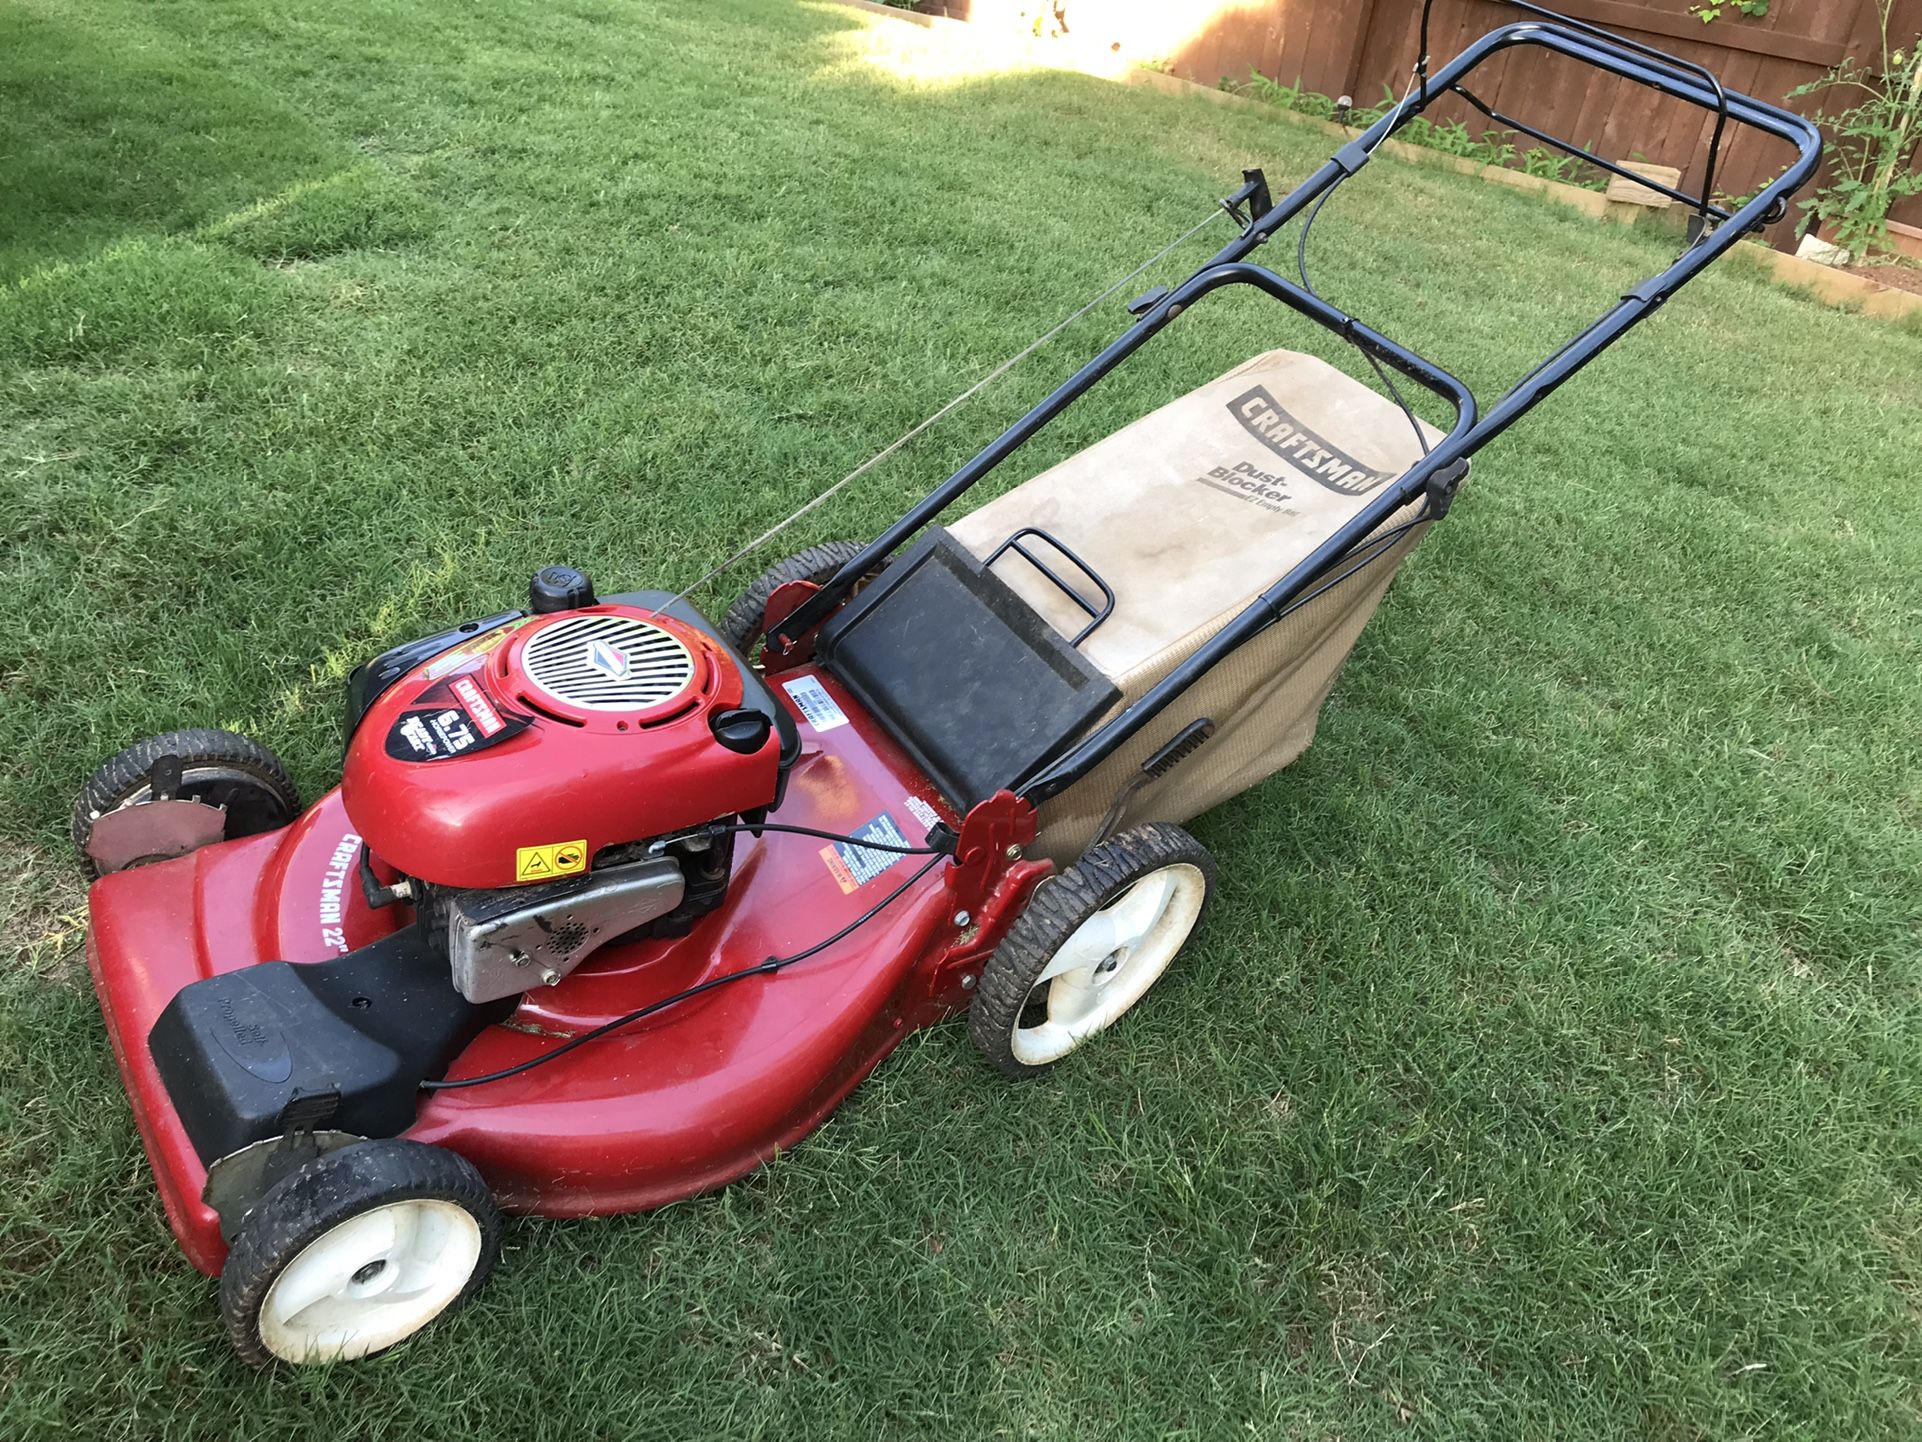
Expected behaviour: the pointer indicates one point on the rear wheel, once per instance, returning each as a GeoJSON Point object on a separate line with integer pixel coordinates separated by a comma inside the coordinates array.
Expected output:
{"type": "Point", "coordinates": [817, 565]}
{"type": "Point", "coordinates": [357, 1251]}
{"type": "Point", "coordinates": [1089, 946]}
{"type": "Point", "coordinates": [219, 771]}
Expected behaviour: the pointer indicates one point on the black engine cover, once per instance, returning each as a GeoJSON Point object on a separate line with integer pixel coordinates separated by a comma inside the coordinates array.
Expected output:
{"type": "Point", "coordinates": [342, 1044]}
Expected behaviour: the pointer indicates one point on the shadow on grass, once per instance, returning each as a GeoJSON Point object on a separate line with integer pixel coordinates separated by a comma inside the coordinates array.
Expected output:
{"type": "Point", "coordinates": [141, 179]}
{"type": "Point", "coordinates": [112, 142]}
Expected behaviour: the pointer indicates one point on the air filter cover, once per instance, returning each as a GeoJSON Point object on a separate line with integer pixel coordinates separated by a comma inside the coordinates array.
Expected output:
{"type": "Point", "coordinates": [607, 663]}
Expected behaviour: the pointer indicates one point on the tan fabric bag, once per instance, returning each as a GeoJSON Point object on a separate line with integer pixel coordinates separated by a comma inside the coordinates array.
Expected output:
{"type": "Point", "coordinates": [1189, 514]}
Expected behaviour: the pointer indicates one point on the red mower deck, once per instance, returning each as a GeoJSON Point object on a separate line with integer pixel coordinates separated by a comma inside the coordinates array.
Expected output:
{"type": "Point", "coordinates": [673, 1106]}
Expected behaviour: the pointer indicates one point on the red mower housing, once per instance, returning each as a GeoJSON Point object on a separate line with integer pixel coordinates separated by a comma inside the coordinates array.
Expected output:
{"type": "Point", "coordinates": [554, 827]}
{"type": "Point", "coordinates": [657, 1111]}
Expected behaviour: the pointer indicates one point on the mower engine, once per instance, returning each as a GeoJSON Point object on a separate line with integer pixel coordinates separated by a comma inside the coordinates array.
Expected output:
{"type": "Point", "coordinates": [539, 785]}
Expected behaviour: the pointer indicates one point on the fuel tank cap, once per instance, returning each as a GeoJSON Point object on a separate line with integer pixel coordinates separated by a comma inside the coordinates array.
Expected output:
{"type": "Point", "coordinates": [559, 588]}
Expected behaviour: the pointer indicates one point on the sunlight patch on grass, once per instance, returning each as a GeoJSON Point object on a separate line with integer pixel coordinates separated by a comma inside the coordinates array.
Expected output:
{"type": "Point", "coordinates": [917, 57]}
{"type": "Point", "coordinates": [423, 589]}
{"type": "Point", "coordinates": [144, 296]}
{"type": "Point", "coordinates": [363, 207]}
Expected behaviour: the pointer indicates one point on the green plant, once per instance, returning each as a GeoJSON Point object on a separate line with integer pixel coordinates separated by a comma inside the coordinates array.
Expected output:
{"type": "Point", "coordinates": [1451, 137]}
{"type": "Point", "coordinates": [1289, 97]}
{"type": "Point", "coordinates": [1873, 140]}
{"type": "Point", "coordinates": [1548, 164]}
{"type": "Point", "coordinates": [1709, 14]}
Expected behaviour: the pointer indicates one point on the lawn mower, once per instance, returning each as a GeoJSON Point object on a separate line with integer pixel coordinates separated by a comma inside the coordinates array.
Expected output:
{"type": "Point", "coordinates": [614, 901]}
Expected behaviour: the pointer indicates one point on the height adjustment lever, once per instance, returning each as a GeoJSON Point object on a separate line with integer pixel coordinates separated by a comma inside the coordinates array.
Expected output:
{"type": "Point", "coordinates": [1186, 741]}
{"type": "Point", "coordinates": [1147, 301]}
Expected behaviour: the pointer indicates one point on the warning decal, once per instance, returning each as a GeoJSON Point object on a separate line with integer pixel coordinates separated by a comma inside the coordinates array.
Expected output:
{"type": "Point", "coordinates": [815, 705]}
{"type": "Point", "coordinates": [544, 863]}
{"type": "Point", "coordinates": [852, 865]}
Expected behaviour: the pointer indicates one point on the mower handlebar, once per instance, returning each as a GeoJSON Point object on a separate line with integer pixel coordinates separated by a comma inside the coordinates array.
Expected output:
{"type": "Point", "coordinates": [1472, 428]}
{"type": "Point", "coordinates": [1654, 69]}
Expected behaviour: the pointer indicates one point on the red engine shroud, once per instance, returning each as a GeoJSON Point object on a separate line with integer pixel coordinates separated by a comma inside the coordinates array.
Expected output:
{"type": "Point", "coordinates": [679, 1104]}
{"type": "Point", "coordinates": [534, 771]}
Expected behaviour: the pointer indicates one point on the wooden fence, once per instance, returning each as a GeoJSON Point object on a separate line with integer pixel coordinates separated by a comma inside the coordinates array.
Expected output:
{"type": "Point", "coordinates": [1365, 48]}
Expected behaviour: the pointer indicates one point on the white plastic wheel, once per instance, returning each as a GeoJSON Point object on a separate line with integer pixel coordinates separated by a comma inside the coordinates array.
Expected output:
{"type": "Point", "coordinates": [370, 1282]}
{"type": "Point", "coordinates": [1108, 963]}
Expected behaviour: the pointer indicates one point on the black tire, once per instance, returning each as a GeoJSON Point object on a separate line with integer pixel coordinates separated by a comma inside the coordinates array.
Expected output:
{"type": "Point", "coordinates": [818, 564]}
{"type": "Point", "coordinates": [218, 768]}
{"type": "Point", "coordinates": [1009, 990]}
{"type": "Point", "coordinates": [323, 1197]}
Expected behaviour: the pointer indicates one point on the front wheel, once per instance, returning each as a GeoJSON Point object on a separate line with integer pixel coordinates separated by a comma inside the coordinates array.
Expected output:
{"type": "Point", "coordinates": [357, 1251]}
{"type": "Point", "coordinates": [173, 793]}
{"type": "Point", "coordinates": [1089, 946]}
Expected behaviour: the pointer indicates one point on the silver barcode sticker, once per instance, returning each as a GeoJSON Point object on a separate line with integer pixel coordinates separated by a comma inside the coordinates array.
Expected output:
{"type": "Point", "coordinates": [814, 703]}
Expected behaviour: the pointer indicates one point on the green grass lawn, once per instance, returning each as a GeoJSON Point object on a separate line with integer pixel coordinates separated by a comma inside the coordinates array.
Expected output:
{"type": "Point", "coordinates": [1551, 1067]}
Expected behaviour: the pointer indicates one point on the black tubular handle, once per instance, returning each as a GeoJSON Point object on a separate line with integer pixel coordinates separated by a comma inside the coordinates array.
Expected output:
{"type": "Point", "coordinates": [1473, 427]}
{"type": "Point", "coordinates": [1612, 40]}
{"type": "Point", "coordinates": [1605, 40]}
{"type": "Point", "coordinates": [1471, 431]}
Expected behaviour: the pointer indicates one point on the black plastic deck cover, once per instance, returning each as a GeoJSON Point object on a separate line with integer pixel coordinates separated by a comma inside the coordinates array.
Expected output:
{"type": "Point", "coordinates": [243, 1053]}
{"type": "Point", "coordinates": [370, 680]}
{"type": "Point", "coordinates": [967, 676]}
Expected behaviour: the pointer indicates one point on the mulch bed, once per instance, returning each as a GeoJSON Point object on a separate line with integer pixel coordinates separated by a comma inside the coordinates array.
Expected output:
{"type": "Point", "coordinates": [1902, 277]}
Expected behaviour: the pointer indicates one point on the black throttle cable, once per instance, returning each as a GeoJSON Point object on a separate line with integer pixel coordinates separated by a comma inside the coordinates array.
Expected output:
{"type": "Point", "coordinates": [1301, 268]}
{"type": "Point", "coordinates": [766, 968]}
{"type": "Point", "coordinates": [754, 828]}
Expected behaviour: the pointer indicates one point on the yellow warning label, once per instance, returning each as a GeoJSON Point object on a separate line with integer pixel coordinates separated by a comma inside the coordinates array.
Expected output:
{"type": "Point", "coordinates": [544, 863]}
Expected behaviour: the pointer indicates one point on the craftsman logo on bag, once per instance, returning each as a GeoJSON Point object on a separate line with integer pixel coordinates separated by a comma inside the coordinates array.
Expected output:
{"type": "Point", "coordinates": [1307, 452]}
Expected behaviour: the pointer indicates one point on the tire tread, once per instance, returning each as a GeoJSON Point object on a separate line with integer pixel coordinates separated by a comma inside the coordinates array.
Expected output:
{"type": "Point", "coordinates": [1059, 906]}
{"type": "Point", "coordinates": [323, 1194]}
{"type": "Point", "coordinates": [123, 773]}
{"type": "Point", "coordinates": [817, 564]}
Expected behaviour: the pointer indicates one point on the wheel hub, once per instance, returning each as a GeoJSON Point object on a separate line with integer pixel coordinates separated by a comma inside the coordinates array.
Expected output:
{"type": "Point", "coordinates": [1109, 961]}
{"type": "Point", "coordinates": [370, 1281]}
